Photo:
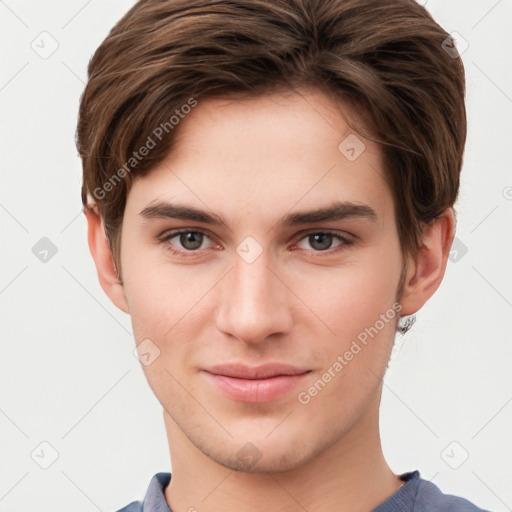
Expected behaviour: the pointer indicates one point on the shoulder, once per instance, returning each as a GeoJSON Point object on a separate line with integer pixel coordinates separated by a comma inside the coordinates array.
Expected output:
{"type": "Point", "coordinates": [429, 498]}
{"type": "Point", "coordinates": [419, 495]}
{"type": "Point", "coordinates": [134, 506]}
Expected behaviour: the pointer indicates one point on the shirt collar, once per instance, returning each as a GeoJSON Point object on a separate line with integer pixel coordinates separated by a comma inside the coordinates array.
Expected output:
{"type": "Point", "coordinates": [401, 500]}
{"type": "Point", "coordinates": [155, 498]}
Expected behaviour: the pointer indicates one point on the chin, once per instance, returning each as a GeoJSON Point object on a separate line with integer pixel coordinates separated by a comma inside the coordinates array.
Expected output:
{"type": "Point", "coordinates": [261, 454]}
{"type": "Point", "coordinates": [269, 463]}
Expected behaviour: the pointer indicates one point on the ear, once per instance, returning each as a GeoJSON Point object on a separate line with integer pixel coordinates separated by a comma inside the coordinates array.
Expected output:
{"type": "Point", "coordinates": [426, 268]}
{"type": "Point", "coordinates": [102, 256]}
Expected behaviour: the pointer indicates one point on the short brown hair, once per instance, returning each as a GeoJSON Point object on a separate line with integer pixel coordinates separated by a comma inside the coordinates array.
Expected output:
{"type": "Point", "coordinates": [387, 58]}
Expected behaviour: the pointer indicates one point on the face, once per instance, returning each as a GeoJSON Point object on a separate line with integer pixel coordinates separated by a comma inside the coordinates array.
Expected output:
{"type": "Point", "coordinates": [255, 278]}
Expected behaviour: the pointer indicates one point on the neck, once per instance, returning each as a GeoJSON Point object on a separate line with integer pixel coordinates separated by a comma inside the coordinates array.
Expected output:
{"type": "Point", "coordinates": [351, 475]}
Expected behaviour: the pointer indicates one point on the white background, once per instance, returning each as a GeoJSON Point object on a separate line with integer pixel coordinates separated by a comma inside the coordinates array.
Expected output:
{"type": "Point", "coordinates": [68, 375]}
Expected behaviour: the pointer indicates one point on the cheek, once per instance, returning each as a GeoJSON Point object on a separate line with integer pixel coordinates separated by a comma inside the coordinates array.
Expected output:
{"type": "Point", "coordinates": [351, 297]}
{"type": "Point", "coordinates": [169, 306]}
{"type": "Point", "coordinates": [165, 306]}
{"type": "Point", "coordinates": [359, 306]}
{"type": "Point", "coordinates": [158, 292]}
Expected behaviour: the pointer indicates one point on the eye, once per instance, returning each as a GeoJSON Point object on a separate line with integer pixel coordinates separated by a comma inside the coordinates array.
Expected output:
{"type": "Point", "coordinates": [323, 240]}
{"type": "Point", "coordinates": [190, 241]}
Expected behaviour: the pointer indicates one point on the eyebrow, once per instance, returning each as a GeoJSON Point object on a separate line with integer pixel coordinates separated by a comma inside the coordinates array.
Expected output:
{"type": "Point", "coordinates": [336, 211]}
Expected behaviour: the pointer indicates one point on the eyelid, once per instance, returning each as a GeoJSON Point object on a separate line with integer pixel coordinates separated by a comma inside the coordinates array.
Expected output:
{"type": "Point", "coordinates": [342, 234]}
{"type": "Point", "coordinates": [345, 240]}
{"type": "Point", "coordinates": [168, 235]}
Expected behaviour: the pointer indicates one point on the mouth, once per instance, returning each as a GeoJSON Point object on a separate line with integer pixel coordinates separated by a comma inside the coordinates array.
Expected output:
{"type": "Point", "coordinates": [258, 384]}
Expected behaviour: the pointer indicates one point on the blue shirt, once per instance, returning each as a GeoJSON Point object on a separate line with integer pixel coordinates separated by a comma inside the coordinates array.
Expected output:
{"type": "Point", "coordinates": [416, 495]}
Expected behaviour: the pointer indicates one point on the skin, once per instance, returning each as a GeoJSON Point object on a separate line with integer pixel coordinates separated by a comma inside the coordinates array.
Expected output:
{"type": "Point", "coordinates": [251, 162]}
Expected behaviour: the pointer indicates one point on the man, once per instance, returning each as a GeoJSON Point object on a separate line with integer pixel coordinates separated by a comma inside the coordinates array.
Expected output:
{"type": "Point", "coordinates": [269, 189]}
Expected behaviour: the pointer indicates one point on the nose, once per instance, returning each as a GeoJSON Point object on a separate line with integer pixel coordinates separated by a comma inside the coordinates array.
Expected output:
{"type": "Point", "coordinates": [255, 302]}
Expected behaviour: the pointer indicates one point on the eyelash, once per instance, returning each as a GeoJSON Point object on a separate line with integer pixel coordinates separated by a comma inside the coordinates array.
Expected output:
{"type": "Point", "coordinates": [345, 242]}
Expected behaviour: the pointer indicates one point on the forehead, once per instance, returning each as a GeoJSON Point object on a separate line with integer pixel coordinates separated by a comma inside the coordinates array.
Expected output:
{"type": "Point", "coordinates": [265, 155]}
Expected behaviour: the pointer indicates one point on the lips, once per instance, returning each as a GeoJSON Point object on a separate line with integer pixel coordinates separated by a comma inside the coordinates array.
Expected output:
{"type": "Point", "coordinates": [257, 384]}
{"type": "Point", "coordinates": [257, 372]}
